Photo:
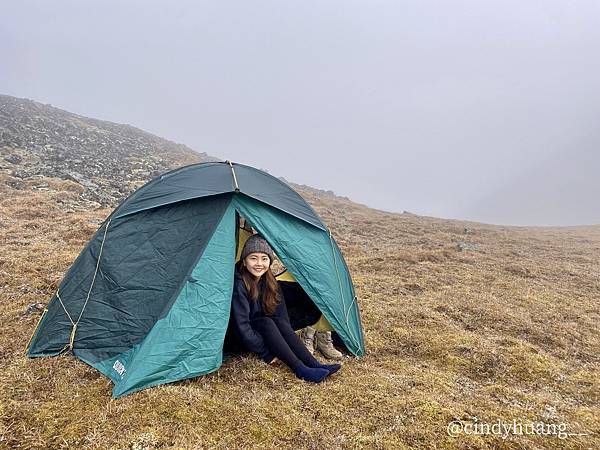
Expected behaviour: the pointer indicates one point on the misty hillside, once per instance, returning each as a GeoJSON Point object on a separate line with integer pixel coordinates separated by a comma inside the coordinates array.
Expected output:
{"type": "Point", "coordinates": [463, 322]}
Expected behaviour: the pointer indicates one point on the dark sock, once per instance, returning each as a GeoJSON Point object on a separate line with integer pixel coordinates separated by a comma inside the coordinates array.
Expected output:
{"type": "Point", "coordinates": [331, 368]}
{"type": "Point", "coordinates": [314, 375]}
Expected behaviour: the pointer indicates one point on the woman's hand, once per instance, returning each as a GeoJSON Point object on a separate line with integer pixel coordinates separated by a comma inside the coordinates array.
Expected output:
{"type": "Point", "coordinates": [274, 361]}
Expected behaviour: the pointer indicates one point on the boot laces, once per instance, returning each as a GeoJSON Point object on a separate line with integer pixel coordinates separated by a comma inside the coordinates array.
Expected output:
{"type": "Point", "coordinates": [328, 338]}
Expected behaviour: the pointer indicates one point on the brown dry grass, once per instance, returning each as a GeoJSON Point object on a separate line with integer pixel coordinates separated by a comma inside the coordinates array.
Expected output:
{"type": "Point", "coordinates": [506, 331]}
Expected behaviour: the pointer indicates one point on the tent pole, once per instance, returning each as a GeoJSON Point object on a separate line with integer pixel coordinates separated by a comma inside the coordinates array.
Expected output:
{"type": "Point", "coordinates": [237, 188]}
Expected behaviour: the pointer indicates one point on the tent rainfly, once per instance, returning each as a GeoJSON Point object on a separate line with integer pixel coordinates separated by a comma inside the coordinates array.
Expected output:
{"type": "Point", "coordinates": [147, 301]}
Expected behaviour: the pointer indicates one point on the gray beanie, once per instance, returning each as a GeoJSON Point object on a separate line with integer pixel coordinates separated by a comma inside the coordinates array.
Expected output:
{"type": "Point", "coordinates": [257, 244]}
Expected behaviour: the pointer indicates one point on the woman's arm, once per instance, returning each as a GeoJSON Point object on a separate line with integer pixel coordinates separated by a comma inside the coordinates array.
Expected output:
{"type": "Point", "coordinates": [240, 319]}
{"type": "Point", "coordinates": [281, 310]}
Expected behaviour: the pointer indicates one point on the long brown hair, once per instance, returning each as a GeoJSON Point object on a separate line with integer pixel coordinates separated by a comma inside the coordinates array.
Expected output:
{"type": "Point", "coordinates": [271, 296]}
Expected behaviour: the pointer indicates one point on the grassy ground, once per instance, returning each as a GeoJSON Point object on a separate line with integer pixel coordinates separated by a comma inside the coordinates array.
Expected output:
{"type": "Point", "coordinates": [507, 329]}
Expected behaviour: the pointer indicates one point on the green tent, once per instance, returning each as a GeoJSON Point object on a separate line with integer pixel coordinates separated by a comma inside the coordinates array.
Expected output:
{"type": "Point", "coordinates": [147, 301]}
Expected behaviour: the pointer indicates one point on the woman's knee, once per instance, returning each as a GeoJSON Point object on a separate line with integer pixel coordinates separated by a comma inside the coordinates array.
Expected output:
{"type": "Point", "coordinates": [263, 323]}
{"type": "Point", "coordinates": [283, 325]}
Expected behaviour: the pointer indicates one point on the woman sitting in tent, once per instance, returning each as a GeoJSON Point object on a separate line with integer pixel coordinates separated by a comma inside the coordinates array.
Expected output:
{"type": "Point", "coordinates": [259, 317]}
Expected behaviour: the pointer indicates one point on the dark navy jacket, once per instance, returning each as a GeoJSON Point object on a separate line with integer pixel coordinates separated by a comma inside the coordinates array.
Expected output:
{"type": "Point", "coordinates": [244, 311]}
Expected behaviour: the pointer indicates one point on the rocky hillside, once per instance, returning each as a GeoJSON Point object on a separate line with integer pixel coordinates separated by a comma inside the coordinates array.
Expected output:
{"type": "Point", "coordinates": [107, 159]}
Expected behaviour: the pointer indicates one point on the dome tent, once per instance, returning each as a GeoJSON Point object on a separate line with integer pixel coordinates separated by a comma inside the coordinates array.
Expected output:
{"type": "Point", "coordinates": [147, 301]}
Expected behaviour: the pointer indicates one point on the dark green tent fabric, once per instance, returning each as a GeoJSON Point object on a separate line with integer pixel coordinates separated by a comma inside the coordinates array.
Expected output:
{"type": "Point", "coordinates": [162, 275]}
{"type": "Point", "coordinates": [206, 179]}
{"type": "Point", "coordinates": [188, 340]}
{"type": "Point", "coordinates": [145, 261]}
{"type": "Point", "coordinates": [195, 181]}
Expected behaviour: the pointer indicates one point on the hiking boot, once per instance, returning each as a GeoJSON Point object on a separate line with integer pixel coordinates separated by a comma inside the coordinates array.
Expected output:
{"type": "Point", "coordinates": [325, 345]}
{"type": "Point", "coordinates": [308, 339]}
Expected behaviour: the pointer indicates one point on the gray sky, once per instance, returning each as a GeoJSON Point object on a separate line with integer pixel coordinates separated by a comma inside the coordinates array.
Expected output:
{"type": "Point", "coordinates": [457, 109]}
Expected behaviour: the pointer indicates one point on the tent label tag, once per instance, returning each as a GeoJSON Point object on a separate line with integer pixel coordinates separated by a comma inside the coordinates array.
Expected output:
{"type": "Point", "coordinates": [119, 367]}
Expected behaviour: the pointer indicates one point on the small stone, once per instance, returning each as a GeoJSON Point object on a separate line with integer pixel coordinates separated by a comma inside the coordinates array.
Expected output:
{"type": "Point", "coordinates": [461, 246]}
{"type": "Point", "coordinates": [34, 307]}
{"type": "Point", "coordinates": [20, 174]}
{"type": "Point", "coordinates": [13, 159]}
{"type": "Point", "coordinates": [18, 185]}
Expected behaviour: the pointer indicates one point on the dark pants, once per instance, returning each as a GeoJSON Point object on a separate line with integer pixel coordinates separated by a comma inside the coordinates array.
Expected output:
{"type": "Point", "coordinates": [283, 342]}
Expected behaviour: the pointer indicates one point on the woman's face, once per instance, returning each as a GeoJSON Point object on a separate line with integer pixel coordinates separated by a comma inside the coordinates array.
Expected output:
{"type": "Point", "coordinates": [257, 263]}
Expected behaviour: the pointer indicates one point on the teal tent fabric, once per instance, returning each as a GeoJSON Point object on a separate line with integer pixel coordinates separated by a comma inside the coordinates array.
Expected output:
{"type": "Point", "coordinates": [159, 302]}
{"type": "Point", "coordinates": [315, 261]}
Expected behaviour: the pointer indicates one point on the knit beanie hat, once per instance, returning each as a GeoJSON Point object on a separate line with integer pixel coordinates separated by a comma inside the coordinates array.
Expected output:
{"type": "Point", "coordinates": [257, 244]}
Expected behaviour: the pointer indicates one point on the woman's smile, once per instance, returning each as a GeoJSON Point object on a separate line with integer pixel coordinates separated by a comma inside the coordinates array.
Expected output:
{"type": "Point", "coordinates": [257, 263]}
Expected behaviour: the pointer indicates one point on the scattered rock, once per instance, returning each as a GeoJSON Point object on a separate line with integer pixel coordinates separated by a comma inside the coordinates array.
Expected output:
{"type": "Point", "coordinates": [34, 307]}
{"type": "Point", "coordinates": [18, 185]}
{"type": "Point", "coordinates": [81, 179]}
{"type": "Point", "coordinates": [462, 246]}
{"type": "Point", "coordinates": [13, 159]}
{"type": "Point", "coordinates": [550, 413]}
{"type": "Point", "coordinates": [20, 174]}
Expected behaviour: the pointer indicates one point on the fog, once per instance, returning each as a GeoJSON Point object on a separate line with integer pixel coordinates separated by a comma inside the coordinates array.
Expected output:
{"type": "Point", "coordinates": [485, 111]}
